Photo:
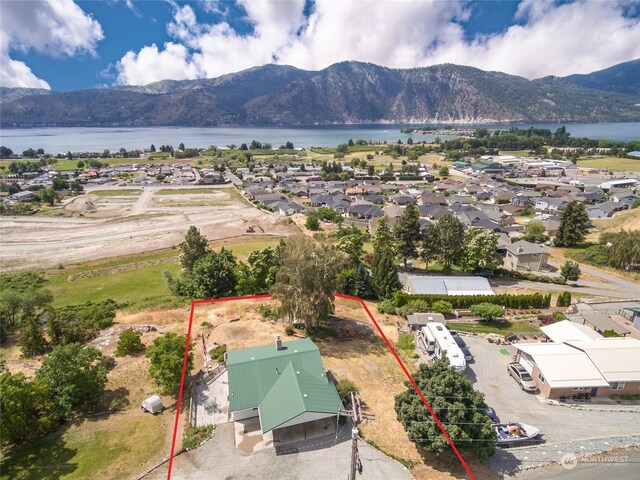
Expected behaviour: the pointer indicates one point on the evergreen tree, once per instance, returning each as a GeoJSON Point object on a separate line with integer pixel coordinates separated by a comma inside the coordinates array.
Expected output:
{"type": "Point", "coordinates": [384, 275]}
{"type": "Point", "coordinates": [455, 402]}
{"type": "Point", "coordinates": [430, 248]}
{"type": "Point", "coordinates": [450, 240]}
{"type": "Point", "coordinates": [193, 248]}
{"type": "Point", "coordinates": [406, 233]}
{"type": "Point", "coordinates": [573, 225]}
{"type": "Point", "coordinates": [361, 282]}
{"type": "Point", "coordinates": [570, 271]}
{"type": "Point", "coordinates": [32, 341]}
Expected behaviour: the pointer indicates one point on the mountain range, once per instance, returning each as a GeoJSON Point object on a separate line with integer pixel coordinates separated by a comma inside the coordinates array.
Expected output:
{"type": "Point", "coordinates": [344, 93]}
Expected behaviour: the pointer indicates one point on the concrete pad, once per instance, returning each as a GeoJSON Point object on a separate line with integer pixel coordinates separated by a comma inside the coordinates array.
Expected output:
{"type": "Point", "coordinates": [212, 402]}
{"type": "Point", "coordinates": [249, 437]}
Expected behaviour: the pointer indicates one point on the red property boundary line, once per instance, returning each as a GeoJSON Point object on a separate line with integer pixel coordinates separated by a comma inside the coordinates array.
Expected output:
{"type": "Point", "coordinates": [339, 295]}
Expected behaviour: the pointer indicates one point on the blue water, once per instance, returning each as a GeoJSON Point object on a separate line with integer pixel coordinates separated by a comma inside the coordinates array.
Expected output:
{"type": "Point", "coordinates": [56, 140]}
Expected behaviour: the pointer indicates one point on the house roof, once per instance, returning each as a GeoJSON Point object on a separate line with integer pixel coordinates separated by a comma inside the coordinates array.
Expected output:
{"type": "Point", "coordinates": [564, 366]}
{"type": "Point", "coordinates": [294, 393]}
{"type": "Point", "coordinates": [567, 330]}
{"type": "Point", "coordinates": [523, 247]}
{"type": "Point", "coordinates": [603, 322]}
{"type": "Point", "coordinates": [618, 359]}
{"type": "Point", "coordinates": [254, 371]}
{"type": "Point", "coordinates": [424, 318]}
{"type": "Point", "coordinates": [441, 285]}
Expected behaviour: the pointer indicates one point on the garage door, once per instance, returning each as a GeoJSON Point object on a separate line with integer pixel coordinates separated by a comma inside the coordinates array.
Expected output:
{"type": "Point", "coordinates": [526, 362]}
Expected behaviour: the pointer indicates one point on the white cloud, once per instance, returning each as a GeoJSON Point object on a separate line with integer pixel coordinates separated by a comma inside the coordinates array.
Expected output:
{"type": "Point", "coordinates": [54, 27]}
{"type": "Point", "coordinates": [550, 39]}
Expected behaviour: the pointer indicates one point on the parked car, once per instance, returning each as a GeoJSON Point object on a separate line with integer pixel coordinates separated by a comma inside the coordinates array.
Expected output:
{"type": "Point", "coordinates": [521, 376]}
{"type": "Point", "coordinates": [463, 346]}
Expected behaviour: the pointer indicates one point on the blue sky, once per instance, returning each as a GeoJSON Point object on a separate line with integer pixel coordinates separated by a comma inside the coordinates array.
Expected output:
{"type": "Point", "coordinates": [67, 45]}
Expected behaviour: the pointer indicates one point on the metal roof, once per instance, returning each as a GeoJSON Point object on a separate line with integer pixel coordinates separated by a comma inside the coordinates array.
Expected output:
{"type": "Point", "coordinates": [567, 330]}
{"type": "Point", "coordinates": [603, 322]}
{"type": "Point", "coordinates": [441, 285]}
{"type": "Point", "coordinates": [297, 392]}
{"type": "Point", "coordinates": [564, 366]}
{"type": "Point", "coordinates": [618, 359]}
{"type": "Point", "coordinates": [254, 371]}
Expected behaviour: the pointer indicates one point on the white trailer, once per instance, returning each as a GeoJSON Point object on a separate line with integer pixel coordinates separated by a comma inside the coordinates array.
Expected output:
{"type": "Point", "coordinates": [437, 341]}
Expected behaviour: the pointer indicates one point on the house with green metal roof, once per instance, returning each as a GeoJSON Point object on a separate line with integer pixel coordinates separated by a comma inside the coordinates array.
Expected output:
{"type": "Point", "coordinates": [284, 384]}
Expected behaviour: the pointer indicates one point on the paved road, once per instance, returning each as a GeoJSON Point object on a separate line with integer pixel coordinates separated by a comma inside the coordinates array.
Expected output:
{"type": "Point", "coordinates": [564, 429]}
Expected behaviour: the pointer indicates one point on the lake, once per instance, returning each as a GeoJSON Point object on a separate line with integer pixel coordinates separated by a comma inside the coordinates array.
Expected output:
{"type": "Point", "coordinates": [77, 139]}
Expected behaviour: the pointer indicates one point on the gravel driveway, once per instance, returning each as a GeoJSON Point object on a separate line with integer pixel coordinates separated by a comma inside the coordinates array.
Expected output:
{"type": "Point", "coordinates": [565, 429]}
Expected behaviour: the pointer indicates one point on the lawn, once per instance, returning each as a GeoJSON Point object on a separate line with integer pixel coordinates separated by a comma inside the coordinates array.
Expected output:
{"type": "Point", "coordinates": [94, 449]}
{"type": "Point", "coordinates": [137, 279]}
{"type": "Point", "coordinates": [73, 164]}
{"type": "Point", "coordinates": [115, 193]}
{"type": "Point", "coordinates": [501, 328]}
{"type": "Point", "coordinates": [612, 163]}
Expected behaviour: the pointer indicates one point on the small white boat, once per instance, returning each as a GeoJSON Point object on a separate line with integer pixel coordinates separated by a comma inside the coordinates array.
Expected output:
{"type": "Point", "coordinates": [513, 433]}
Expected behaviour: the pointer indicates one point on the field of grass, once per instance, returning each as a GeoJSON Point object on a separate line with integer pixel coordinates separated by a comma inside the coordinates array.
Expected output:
{"type": "Point", "coordinates": [186, 191]}
{"type": "Point", "coordinates": [94, 449]}
{"type": "Point", "coordinates": [501, 328]}
{"type": "Point", "coordinates": [73, 164]}
{"type": "Point", "coordinates": [116, 193]}
{"type": "Point", "coordinates": [612, 163]}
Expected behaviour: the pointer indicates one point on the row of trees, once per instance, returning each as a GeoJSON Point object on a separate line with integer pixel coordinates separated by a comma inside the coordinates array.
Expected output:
{"type": "Point", "coordinates": [445, 241]}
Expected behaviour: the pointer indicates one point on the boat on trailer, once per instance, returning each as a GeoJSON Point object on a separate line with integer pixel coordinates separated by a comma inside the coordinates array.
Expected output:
{"type": "Point", "coordinates": [513, 433]}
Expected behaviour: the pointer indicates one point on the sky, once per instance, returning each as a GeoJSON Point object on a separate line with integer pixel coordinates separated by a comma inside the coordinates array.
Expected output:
{"type": "Point", "coordinates": [70, 45]}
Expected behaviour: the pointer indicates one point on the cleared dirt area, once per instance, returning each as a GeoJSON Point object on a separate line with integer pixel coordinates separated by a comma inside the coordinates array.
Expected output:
{"type": "Point", "coordinates": [104, 226]}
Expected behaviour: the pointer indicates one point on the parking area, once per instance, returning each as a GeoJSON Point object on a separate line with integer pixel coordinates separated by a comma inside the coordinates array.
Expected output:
{"type": "Point", "coordinates": [576, 429]}
{"type": "Point", "coordinates": [318, 458]}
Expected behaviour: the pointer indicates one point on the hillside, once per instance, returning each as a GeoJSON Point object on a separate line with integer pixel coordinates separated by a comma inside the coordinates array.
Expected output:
{"type": "Point", "coordinates": [622, 78]}
{"type": "Point", "coordinates": [348, 92]}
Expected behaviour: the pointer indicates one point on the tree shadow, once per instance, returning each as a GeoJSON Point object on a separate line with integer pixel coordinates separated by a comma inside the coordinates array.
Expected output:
{"type": "Point", "coordinates": [48, 457]}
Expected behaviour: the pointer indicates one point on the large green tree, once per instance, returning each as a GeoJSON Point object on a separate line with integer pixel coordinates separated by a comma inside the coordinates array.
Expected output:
{"type": "Point", "coordinates": [76, 376]}
{"type": "Point", "coordinates": [573, 225]}
{"type": "Point", "coordinates": [193, 248]}
{"type": "Point", "coordinates": [481, 249]}
{"type": "Point", "coordinates": [212, 276]}
{"type": "Point", "coordinates": [456, 404]}
{"type": "Point", "coordinates": [27, 407]}
{"type": "Point", "coordinates": [535, 232]}
{"type": "Point", "coordinates": [166, 355]}
{"type": "Point", "coordinates": [32, 341]}
{"type": "Point", "coordinates": [258, 274]}
{"type": "Point", "coordinates": [306, 281]}
{"type": "Point", "coordinates": [570, 271]}
{"type": "Point", "coordinates": [450, 240]}
{"type": "Point", "coordinates": [406, 233]}
{"type": "Point", "coordinates": [624, 251]}
{"type": "Point", "coordinates": [430, 248]}
{"type": "Point", "coordinates": [384, 274]}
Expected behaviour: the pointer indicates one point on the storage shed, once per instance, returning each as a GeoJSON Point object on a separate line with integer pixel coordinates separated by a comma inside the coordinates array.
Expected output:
{"type": "Point", "coordinates": [153, 404]}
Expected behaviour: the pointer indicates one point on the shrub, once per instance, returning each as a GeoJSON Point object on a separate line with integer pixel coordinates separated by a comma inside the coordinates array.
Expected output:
{"type": "Point", "coordinates": [442, 306]}
{"type": "Point", "coordinates": [564, 299]}
{"type": "Point", "coordinates": [535, 300]}
{"type": "Point", "coordinates": [312, 223]}
{"type": "Point", "coordinates": [129, 343]}
{"type": "Point", "coordinates": [413, 306]}
{"type": "Point", "coordinates": [269, 313]}
{"type": "Point", "coordinates": [194, 436]}
{"type": "Point", "coordinates": [218, 353]}
{"type": "Point", "coordinates": [387, 306]}
{"type": "Point", "coordinates": [406, 342]}
{"type": "Point", "coordinates": [546, 319]}
{"type": "Point", "coordinates": [289, 330]}
{"type": "Point", "coordinates": [346, 386]}
{"type": "Point", "coordinates": [558, 316]}
{"type": "Point", "coordinates": [609, 333]}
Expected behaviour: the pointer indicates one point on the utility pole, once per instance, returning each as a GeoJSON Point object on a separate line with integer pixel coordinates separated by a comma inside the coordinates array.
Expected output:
{"type": "Point", "coordinates": [357, 417]}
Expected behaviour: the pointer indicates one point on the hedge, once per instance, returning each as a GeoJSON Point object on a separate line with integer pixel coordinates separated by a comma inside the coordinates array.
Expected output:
{"type": "Point", "coordinates": [535, 300]}
{"type": "Point", "coordinates": [532, 277]}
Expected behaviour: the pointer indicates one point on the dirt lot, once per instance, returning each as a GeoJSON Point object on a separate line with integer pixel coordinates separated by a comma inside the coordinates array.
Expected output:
{"type": "Point", "coordinates": [102, 226]}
